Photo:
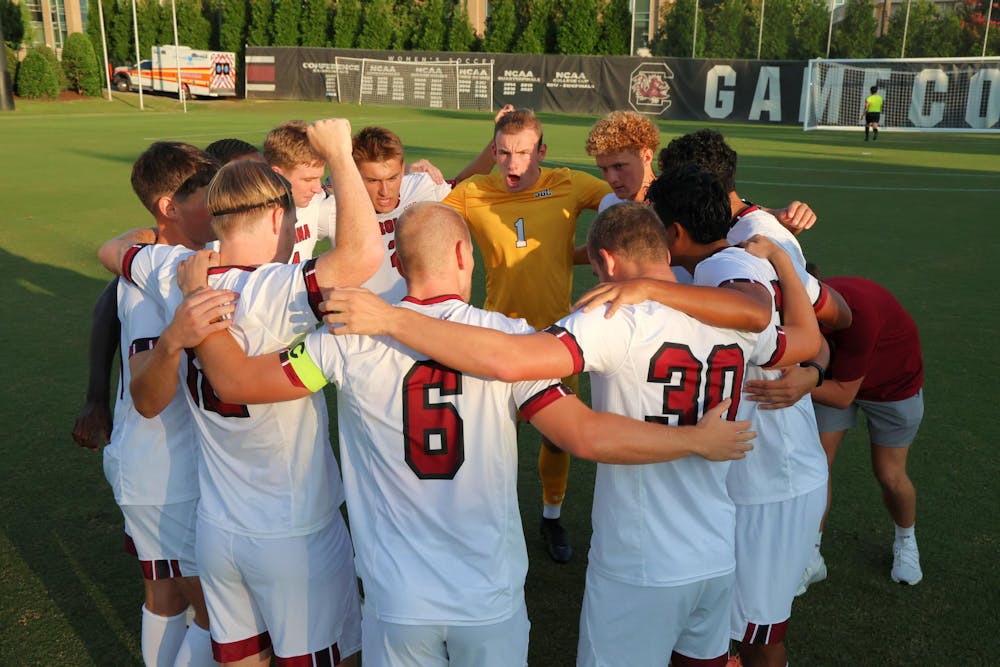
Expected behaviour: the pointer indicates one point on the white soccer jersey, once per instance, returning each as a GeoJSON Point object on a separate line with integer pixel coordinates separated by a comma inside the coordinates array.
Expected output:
{"type": "Point", "coordinates": [610, 200]}
{"type": "Point", "coordinates": [149, 461]}
{"type": "Point", "coordinates": [269, 469]}
{"type": "Point", "coordinates": [388, 282]}
{"type": "Point", "coordinates": [787, 459]}
{"type": "Point", "coordinates": [755, 220]}
{"type": "Point", "coordinates": [430, 471]}
{"type": "Point", "coordinates": [313, 223]}
{"type": "Point", "coordinates": [672, 523]}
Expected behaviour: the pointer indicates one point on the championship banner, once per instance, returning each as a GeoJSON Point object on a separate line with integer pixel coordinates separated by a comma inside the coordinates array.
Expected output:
{"type": "Point", "coordinates": [756, 91]}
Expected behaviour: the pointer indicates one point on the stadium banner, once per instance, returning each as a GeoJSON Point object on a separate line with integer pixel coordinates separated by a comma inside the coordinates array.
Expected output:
{"type": "Point", "coordinates": [667, 88]}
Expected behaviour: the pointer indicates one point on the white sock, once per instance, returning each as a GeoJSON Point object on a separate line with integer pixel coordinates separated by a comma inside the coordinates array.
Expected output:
{"type": "Point", "coordinates": [906, 533]}
{"type": "Point", "coordinates": [161, 637]}
{"type": "Point", "coordinates": [551, 511]}
{"type": "Point", "coordinates": [196, 650]}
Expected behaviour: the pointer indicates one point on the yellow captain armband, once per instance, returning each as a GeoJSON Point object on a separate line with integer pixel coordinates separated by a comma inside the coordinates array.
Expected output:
{"type": "Point", "coordinates": [300, 368]}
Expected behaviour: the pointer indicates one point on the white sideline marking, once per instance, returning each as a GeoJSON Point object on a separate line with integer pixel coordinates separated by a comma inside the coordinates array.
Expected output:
{"type": "Point", "coordinates": [831, 186]}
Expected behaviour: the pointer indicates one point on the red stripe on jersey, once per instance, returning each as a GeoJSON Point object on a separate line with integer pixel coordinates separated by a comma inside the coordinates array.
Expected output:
{"type": "Point", "coordinates": [327, 657]}
{"type": "Point", "coordinates": [128, 258]}
{"type": "Point", "coordinates": [216, 270]}
{"type": "Point", "coordinates": [312, 287]}
{"type": "Point", "coordinates": [824, 296]}
{"type": "Point", "coordinates": [743, 212]}
{"type": "Point", "coordinates": [244, 648]}
{"type": "Point", "coordinates": [141, 345]}
{"type": "Point", "coordinates": [779, 349]}
{"type": "Point", "coordinates": [434, 299]}
{"type": "Point", "coordinates": [741, 280]}
{"type": "Point", "coordinates": [567, 339]}
{"type": "Point", "coordinates": [681, 660]}
{"type": "Point", "coordinates": [543, 399]}
{"type": "Point", "coordinates": [286, 365]}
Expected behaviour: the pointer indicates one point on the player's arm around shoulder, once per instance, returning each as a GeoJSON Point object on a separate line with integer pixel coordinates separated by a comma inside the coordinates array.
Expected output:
{"type": "Point", "coordinates": [112, 253]}
{"type": "Point", "coordinates": [475, 350]}
{"type": "Point", "coordinates": [610, 438]}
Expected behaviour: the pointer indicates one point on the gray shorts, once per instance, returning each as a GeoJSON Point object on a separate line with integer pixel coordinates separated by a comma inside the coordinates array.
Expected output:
{"type": "Point", "coordinates": [890, 423]}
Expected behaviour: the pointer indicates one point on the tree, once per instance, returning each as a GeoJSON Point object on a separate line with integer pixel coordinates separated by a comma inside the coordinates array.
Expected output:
{"type": "Point", "coordinates": [729, 25]}
{"type": "Point", "coordinates": [501, 26]}
{"type": "Point", "coordinates": [930, 34]}
{"type": "Point", "coordinates": [430, 19]}
{"type": "Point", "coordinates": [854, 37]}
{"type": "Point", "coordinates": [193, 29]}
{"type": "Point", "coordinates": [80, 65]}
{"type": "Point", "coordinates": [285, 23]}
{"type": "Point", "coordinates": [616, 25]}
{"type": "Point", "coordinates": [121, 49]}
{"type": "Point", "coordinates": [460, 36]}
{"type": "Point", "coordinates": [314, 23]}
{"type": "Point", "coordinates": [677, 29]}
{"type": "Point", "coordinates": [972, 23]}
{"type": "Point", "coordinates": [377, 28]}
{"type": "Point", "coordinates": [576, 27]}
{"type": "Point", "coordinates": [16, 23]}
{"type": "Point", "coordinates": [346, 23]}
{"type": "Point", "coordinates": [811, 19]}
{"type": "Point", "coordinates": [779, 34]}
{"type": "Point", "coordinates": [404, 17]}
{"type": "Point", "coordinates": [93, 29]}
{"type": "Point", "coordinates": [233, 20]}
{"type": "Point", "coordinates": [259, 23]}
{"type": "Point", "coordinates": [36, 76]}
{"type": "Point", "coordinates": [533, 34]}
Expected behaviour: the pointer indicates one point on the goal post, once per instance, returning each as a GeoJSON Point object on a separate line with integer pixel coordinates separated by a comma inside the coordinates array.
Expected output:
{"type": "Point", "coordinates": [426, 84]}
{"type": "Point", "coordinates": [920, 94]}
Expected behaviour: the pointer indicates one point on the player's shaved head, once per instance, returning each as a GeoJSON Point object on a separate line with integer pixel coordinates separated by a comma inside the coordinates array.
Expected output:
{"type": "Point", "coordinates": [630, 230]}
{"type": "Point", "coordinates": [426, 235]}
{"type": "Point", "coordinates": [707, 149]}
{"type": "Point", "coordinates": [241, 191]}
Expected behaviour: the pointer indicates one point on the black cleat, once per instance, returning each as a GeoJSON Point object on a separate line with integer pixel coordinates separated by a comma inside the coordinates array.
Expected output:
{"type": "Point", "coordinates": [555, 540]}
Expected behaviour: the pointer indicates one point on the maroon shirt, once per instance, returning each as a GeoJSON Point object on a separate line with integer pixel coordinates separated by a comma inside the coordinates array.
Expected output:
{"type": "Point", "coordinates": [881, 344]}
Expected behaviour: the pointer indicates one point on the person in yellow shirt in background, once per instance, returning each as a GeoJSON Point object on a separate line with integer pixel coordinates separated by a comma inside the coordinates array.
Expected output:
{"type": "Point", "coordinates": [873, 110]}
{"type": "Point", "coordinates": [523, 218]}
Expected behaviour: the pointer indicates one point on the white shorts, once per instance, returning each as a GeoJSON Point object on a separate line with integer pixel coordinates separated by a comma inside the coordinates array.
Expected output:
{"type": "Point", "coordinates": [502, 644]}
{"type": "Point", "coordinates": [162, 537]}
{"type": "Point", "coordinates": [624, 624]}
{"type": "Point", "coordinates": [774, 542]}
{"type": "Point", "coordinates": [298, 595]}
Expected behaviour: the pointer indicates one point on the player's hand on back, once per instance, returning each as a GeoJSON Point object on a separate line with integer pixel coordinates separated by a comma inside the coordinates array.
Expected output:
{"type": "Point", "coordinates": [93, 425]}
{"type": "Point", "coordinates": [330, 137]}
{"type": "Point", "coordinates": [425, 166]}
{"type": "Point", "coordinates": [616, 294]}
{"type": "Point", "coordinates": [794, 383]}
{"type": "Point", "coordinates": [720, 439]}
{"type": "Point", "coordinates": [355, 310]}
{"type": "Point", "coordinates": [192, 271]}
{"type": "Point", "coordinates": [761, 246]}
{"type": "Point", "coordinates": [198, 316]}
{"type": "Point", "coordinates": [796, 217]}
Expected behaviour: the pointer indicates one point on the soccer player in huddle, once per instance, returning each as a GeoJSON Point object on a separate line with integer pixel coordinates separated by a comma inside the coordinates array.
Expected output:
{"type": "Point", "coordinates": [443, 577]}
{"type": "Point", "coordinates": [151, 463]}
{"type": "Point", "coordinates": [523, 217]}
{"type": "Point", "coordinates": [269, 529]}
{"type": "Point", "coordinates": [659, 584]}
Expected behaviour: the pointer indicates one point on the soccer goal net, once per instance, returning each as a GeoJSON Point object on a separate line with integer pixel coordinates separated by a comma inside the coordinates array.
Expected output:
{"type": "Point", "coordinates": [434, 85]}
{"type": "Point", "coordinates": [919, 95]}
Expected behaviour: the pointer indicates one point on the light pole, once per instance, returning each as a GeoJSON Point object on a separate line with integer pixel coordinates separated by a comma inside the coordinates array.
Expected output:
{"type": "Point", "coordinates": [6, 97]}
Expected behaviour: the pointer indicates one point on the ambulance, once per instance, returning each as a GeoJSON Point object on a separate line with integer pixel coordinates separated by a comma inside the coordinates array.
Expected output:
{"type": "Point", "coordinates": [203, 73]}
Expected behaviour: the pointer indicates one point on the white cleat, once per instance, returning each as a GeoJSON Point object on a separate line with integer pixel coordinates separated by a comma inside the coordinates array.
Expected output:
{"type": "Point", "coordinates": [815, 572]}
{"type": "Point", "coordinates": [906, 562]}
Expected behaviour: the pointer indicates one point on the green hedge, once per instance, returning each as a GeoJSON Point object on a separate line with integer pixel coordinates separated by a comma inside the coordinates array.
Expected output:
{"type": "Point", "coordinates": [36, 77]}
{"type": "Point", "coordinates": [80, 64]}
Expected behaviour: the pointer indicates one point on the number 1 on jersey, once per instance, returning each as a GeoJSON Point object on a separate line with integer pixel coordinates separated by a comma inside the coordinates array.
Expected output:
{"type": "Point", "coordinates": [521, 242]}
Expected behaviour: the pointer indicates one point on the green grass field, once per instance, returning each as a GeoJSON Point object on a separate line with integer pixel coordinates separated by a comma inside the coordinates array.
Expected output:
{"type": "Point", "coordinates": [916, 212]}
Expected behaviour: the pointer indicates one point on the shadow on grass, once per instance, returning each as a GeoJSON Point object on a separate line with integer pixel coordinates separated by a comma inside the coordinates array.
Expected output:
{"type": "Point", "coordinates": [75, 592]}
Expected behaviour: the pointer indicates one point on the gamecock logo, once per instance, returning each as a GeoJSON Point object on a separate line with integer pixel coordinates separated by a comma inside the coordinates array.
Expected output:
{"type": "Point", "coordinates": [649, 88]}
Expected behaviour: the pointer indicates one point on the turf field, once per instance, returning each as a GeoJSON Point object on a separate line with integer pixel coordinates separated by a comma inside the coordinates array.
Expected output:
{"type": "Point", "coordinates": [916, 212]}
